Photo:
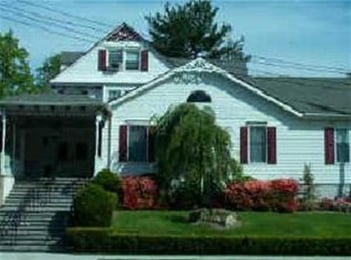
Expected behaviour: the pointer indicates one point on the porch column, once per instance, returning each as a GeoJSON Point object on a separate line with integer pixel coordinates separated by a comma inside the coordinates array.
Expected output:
{"type": "Point", "coordinates": [98, 119]}
{"type": "Point", "coordinates": [14, 142]}
{"type": "Point", "coordinates": [3, 138]}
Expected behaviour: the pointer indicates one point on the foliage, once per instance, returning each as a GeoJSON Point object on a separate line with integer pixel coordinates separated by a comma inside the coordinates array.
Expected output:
{"type": "Point", "coordinates": [276, 195]}
{"type": "Point", "coordinates": [50, 68]}
{"type": "Point", "coordinates": [193, 151]}
{"type": "Point", "coordinates": [15, 75]}
{"type": "Point", "coordinates": [308, 201]}
{"type": "Point", "coordinates": [338, 204]}
{"type": "Point", "coordinates": [93, 206]}
{"type": "Point", "coordinates": [190, 29]}
{"type": "Point", "coordinates": [103, 240]}
{"type": "Point", "coordinates": [140, 193]}
{"type": "Point", "coordinates": [109, 181]}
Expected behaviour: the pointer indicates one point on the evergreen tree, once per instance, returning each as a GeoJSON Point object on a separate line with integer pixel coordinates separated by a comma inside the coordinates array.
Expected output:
{"type": "Point", "coordinates": [15, 75]}
{"type": "Point", "coordinates": [190, 30]}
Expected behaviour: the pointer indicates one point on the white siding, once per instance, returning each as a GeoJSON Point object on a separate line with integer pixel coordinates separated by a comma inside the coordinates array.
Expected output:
{"type": "Point", "coordinates": [298, 141]}
{"type": "Point", "coordinates": [84, 70]}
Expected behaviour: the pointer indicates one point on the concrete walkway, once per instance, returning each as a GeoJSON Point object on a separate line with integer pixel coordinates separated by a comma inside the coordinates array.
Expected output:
{"type": "Point", "coordinates": [48, 256]}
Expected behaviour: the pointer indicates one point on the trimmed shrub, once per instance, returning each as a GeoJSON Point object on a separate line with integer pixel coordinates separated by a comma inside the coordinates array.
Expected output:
{"type": "Point", "coordinates": [109, 181]}
{"type": "Point", "coordinates": [93, 206]}
{"type": "Point", "coordinates": [104, 240]}
{"type": "Point", "coordinates": [140, 192]}
{"type": "Point", "coordinates": [276, 195]}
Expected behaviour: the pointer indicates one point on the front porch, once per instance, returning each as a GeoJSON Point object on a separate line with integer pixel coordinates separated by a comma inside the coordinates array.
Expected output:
{"type": "Point", "coordinates": [49, 136]}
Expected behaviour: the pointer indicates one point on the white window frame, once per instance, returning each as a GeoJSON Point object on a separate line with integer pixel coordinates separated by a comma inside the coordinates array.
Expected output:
{"type": "Point", "coordinates": [139, 61]}
{"type": "Point", "coordinates": [120, 67]}
{"type": "Point", "coordinates": [124, 51]}
{"type": "Point", "coordinates": [147, 142]}
{"type": "Point", "coordinates": [336, 146]}
{"type": "Point", "coordinates": [256, 124]}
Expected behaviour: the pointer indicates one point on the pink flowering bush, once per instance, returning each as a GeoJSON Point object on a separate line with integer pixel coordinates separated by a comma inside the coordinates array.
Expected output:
{"type": "Point", "coordinates": [276, 195]}
{"type": "Point", "coordinates": [139, 192]}
{"type": "Point", "coordinates": [338, 204]}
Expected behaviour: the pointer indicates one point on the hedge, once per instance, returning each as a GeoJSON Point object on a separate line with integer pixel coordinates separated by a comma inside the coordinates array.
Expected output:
{"type": "Point", "coordinates": [103, 240]}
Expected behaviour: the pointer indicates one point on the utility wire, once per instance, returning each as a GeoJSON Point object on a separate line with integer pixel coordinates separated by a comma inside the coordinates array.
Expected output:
{"type": "Point", "coordinates": [261, 59]}
{"type": "Point", "coordinates": [45, 29]}
{"type": "Point", "coordinates": [35, 14]}
{"type": "Point", "coordinates": [55, 10]}
{"type": "Point", "coordinates": [283, 61]}
{"type": "Point", "coordinates": [55, 24]}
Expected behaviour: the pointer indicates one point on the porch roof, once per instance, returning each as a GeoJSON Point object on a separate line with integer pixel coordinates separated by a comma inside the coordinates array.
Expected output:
{"type": "Point", "coordinates": [53, 105]}
{"type": "Point", "coordinates": [51, 100]}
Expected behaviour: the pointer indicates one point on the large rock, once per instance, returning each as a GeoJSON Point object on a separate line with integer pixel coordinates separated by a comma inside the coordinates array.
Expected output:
{"type": "Point", "coordinates": [218, 217]}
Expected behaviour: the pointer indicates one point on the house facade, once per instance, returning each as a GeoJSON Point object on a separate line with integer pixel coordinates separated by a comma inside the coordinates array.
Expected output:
{"type": "Point", "coordinates": [101, 116]}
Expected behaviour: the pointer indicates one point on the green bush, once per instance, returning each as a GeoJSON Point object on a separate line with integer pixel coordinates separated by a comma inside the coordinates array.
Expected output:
{"type": "Point", "coordinates": [109, 181]}
{"type": "Point", "coordinates": [93, 206]}
{"type": "Point", "coordinates": [104, 240]}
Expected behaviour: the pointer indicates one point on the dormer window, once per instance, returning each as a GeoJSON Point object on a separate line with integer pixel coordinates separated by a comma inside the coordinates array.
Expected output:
{"type": "Point", "coordinates": [119, 59]}
{"type": "Point", "coordinates": [115, 59]}
{"type": "Point", "coordinates": [132, 60]}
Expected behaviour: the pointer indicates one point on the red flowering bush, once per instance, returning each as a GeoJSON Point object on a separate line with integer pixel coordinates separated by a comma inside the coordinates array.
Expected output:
{"type": "Point", "coordinates": [139, 192]}
{"type": "Point", "coordinates": [277, 195]}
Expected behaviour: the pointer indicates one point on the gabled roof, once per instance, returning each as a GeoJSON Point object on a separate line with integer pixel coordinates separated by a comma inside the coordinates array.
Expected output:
{"type": "Point", "coordinates": [310, 95]}
{"type": "Point", "coordinates": [296, 99]}
{"type": "Point", "coordinates": [69, 57]}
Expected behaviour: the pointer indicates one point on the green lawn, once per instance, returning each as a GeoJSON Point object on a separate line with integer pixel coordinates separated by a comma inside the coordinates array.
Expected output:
{"type": "Point", "coordinates": [254, 224]}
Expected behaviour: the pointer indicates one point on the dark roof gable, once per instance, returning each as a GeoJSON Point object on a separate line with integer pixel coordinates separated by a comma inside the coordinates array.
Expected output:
{"type": "Point", "coordinates": [124, 32]}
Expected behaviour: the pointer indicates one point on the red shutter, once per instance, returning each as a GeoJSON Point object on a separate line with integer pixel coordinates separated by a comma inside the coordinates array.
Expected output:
{"type": "Point", "coordinates": [123, 145]}
{"type": "Point", "coordinates": [272, 145]}
{"type": "Point", "coordinates": [329, 145]}
{"type": "Point", "coordinates": [144, 60]}
{"type": "Point", "coordinates": [243, 145]}
{"type": "Point", "coordinates": [151, 143]}
{"type": "Point", "coordinates": [102, 60]}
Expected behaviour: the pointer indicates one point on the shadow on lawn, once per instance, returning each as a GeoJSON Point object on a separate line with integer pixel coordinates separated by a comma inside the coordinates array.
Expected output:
{"type": "Point", "coordinates": [177, 219]}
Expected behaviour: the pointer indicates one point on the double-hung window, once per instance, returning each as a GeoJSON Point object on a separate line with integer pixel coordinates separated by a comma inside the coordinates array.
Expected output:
{"type": "Point", "coordinates": [115, 58]}
{"type": "Point", "coordinates": [337, 145]}
{"type": "Point", "coordinates": [258, 144]}
{"type": "Point", "coordinates": [136, 143]}
{"type": "Point", "coordinates": [342, 145]}
{"type": "Point", "coordinates": [132, 60]}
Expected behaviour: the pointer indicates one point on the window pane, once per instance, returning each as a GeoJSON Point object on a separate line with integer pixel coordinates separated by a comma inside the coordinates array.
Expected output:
{"type": "Point", "coordinates": [342, 145]}
{"type": "Point", "coordinates": [132, 60]}
{"type": "Point", "coordinates": [115, 58]}
{"type": "Point", "coordinates": [137, 143]}
{"type": "Point", "coordinates": [258, 144]}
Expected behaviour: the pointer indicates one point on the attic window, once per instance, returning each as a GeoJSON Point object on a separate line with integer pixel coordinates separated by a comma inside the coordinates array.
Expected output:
{"type": "Point", "coordinates": [199, 96]}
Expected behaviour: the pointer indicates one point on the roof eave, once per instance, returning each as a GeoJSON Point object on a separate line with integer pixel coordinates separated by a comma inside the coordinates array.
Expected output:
{"type": "Point", "coordinates": [327, 116]}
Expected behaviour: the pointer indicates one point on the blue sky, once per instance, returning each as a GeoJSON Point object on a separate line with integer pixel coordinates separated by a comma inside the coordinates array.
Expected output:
{"type": "Point", "coordinates": [306, 31]}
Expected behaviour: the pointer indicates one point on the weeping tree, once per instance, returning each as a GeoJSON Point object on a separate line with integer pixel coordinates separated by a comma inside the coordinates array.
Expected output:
{"type": "Point", "coordinates": [192, 149]}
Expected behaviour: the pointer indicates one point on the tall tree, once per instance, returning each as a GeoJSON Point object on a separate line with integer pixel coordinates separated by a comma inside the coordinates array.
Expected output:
{"type": "Point", "coordinates": [49, 69]}
{"type": "Point", "coordinates": [15, 75]}
{"type": "Point", "coordinates": [191, 147]}
{"type": "Point", "coordinates": [190, 30]}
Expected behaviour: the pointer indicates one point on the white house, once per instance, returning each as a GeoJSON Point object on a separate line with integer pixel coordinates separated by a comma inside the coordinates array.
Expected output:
{"type": "Point", "coordinates": [100, 117]}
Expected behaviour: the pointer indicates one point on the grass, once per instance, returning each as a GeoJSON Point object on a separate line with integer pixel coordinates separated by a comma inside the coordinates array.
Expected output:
{"type": "Point", "coordinates": [305, 224]}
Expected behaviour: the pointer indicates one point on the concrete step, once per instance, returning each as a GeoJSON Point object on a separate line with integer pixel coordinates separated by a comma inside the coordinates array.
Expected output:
{"type": "Point", "coordinates": [47, 208]}
{"type": "Point", "coordinates": [47, 200]}
{"type": "Point", "coordinates": [33, 248]}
